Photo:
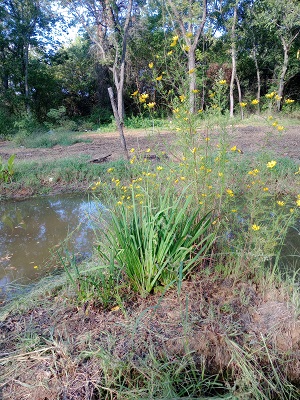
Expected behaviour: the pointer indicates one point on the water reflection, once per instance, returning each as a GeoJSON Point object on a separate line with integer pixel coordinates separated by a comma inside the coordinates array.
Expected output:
{"type": "Point", "coordinates": [32, 230]}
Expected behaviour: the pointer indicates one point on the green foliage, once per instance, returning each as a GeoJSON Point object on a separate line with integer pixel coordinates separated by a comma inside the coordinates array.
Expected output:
{"type": "Point", "coordinates": [158, 241]}
{"type": "Point", "coordinates": [6, 123]}
{"type": "Point", "coordinates": [142, 122]}
{"type": "Point", "coordinates": [99, 284]}
{"type": "Point", "coordinates": [7, 171]}
{"type": "Point", "coordinates": [25, 126]}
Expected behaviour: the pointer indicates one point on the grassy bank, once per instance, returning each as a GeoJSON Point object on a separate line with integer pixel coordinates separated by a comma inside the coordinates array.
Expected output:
{"type": "Point", "coordinates": [35, 178]}
{"type": "Point", "coordinates": [184, 297]}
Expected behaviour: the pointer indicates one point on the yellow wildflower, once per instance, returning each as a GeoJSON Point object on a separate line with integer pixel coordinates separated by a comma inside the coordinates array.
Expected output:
{"type": "Point", "coordinates": [151, 105]}
{"type": "Point", "coordinates": [132, 150]}
{"type": "Point", "coordinates": [135, 93]}
{"type": "Point", "coordinates": [280, 128]}
{"type": "Point", "coordinates": [277, 97]}
{"type": "Point", "coordinates": [159, 78]}
{"type": "Point", "coordinates": [265, 189]}
{"type": "Point", "coordinates": [270, 95]}
{"type": "Point", "coordinates": [254, 172]}
{"type": "Point", "coordinates": [151, 65]}
{"type": "Point", "coordinates": [110, 170]}
{"type": "Point", "coordinates": [191, 71]}
{"type": "Point", "coordinates": [289, 101]}
{"type": "Point", "coordinates": [222, 82]}
{"type": "Point", "coordinates": [186, 47]}
{"type": "Point", "coordinates": [169, 53]}
{"type": "Point", "coordinates": [255, 227]}
{"type": "Point", "coordinates": [182, 98]}
{"type": "Point", "coordinates": [234, 148]}
{"type": "Point", "coordinates": [195, 91]}
{"type": "Point", "coordinates": [280, 203]}
{"type": "Point", "coordinates": [298, 202]}
{"type": "Point", "coordinates": [243, 104]}
{"type": "Point", "coordinates": [292, 210]}
{"type": "Point", "coordinates": [230, 192]}
{"type": "Point", "coordinates": [271, 164]}
{"type": "Point", "coordinates": [255, 101]}
{"type": "Point", "coordinates": [143, 97]}
{"type": "Point", "coordinates": [159, 168]}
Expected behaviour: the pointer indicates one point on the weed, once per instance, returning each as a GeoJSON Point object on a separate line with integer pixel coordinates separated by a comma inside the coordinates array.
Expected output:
{"type": "Point", "coordinates": [7, 170]}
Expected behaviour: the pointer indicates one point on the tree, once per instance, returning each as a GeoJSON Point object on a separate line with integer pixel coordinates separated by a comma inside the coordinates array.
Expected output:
{"type": "Point", "coordinates": [281, 17]}
{"type": "Point", "coordinates": [22, 23]}
{"type": "Point", "coordinates": [189, 17]}
{"type": "Point", "coordinates": [107, 23]}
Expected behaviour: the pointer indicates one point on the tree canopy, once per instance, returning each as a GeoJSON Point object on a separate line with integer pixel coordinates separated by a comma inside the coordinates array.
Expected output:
{"type": "Point", "coordinates": [164, 49]}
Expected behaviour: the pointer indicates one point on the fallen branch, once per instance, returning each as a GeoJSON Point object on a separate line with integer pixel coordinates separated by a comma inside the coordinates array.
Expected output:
{"type": "Point", "coordinates": [100, 160]}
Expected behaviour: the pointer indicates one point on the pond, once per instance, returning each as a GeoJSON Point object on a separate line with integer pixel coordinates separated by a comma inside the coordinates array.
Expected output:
{"type": "Point", "coordinates": [35, 232]}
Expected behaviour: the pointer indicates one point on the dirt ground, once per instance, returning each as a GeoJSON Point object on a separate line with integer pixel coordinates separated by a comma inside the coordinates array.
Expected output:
{"type": "Point", "coordinates": [247, 138]}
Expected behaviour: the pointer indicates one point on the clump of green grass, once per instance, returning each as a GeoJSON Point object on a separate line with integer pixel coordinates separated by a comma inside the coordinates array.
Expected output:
{"type": "Point", "coordinates": [157, 243]}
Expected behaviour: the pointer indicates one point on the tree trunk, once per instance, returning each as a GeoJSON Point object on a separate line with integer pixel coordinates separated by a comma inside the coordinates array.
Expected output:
{"type": "Point", "coordinates": [233, 60]}
{"type": "Point", "coordinates": [192, 80]}
{"type": "Point", "coordinates": [258, 78]}
{"type": "Point", "coordinates": [240, 94]}
{"type": "Point", "coordinates": [26, 87]}
{"type": "Point", "coordinates": [118, 122]}
{"type": "Point", "coordinates": [283, 72]}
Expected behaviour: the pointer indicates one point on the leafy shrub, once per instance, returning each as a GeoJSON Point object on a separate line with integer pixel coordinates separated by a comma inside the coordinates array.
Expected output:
{"type": "Point", "coordinates": [25, 126]}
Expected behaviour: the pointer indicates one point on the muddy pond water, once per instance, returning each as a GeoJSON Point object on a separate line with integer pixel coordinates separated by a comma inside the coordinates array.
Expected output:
{"type": "Point", "coordinates": [35, 233]}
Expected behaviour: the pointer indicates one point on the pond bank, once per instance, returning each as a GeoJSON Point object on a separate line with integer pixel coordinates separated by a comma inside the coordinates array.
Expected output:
{"type": "Point", "coordinates": [217, 330]}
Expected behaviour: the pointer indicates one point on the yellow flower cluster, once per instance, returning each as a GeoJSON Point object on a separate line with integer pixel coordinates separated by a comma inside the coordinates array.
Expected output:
{"type": "Point", "coordinates": [143, 97]}
{"type": "Point", "coordinates": [174, 41]}
{"type": "Point", "coordinates": [151, 105]}
{"type": "Point", "coordinates": [270, 95]}
{"type": "Point", "coordinates": [254, 172]}
{"type": "Point", "coordinates": [289, 101]}
{"type": "Point", "coordinates": [243, 104]}
{"type": "Point", "coordinates": [255, 102]}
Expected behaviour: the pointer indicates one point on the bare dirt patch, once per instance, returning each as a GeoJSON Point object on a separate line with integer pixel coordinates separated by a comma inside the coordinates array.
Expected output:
{"type": "Point", "coordinates": [247, 138]}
